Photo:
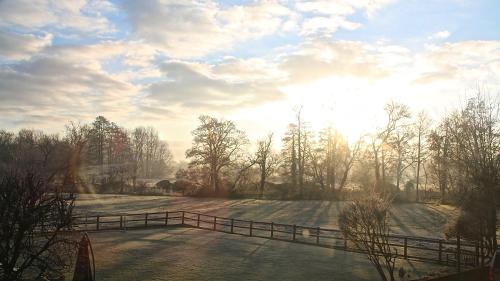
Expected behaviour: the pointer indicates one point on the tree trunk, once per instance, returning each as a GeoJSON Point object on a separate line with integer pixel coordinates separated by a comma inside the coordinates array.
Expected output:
{"type": "Point", "coordinates": [418, 166]}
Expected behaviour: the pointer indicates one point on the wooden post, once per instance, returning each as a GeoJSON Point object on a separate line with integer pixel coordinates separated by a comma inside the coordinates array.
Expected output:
{"type": "Point", "coordinates": [406, 248]}
{"type": "Point", "coordinates": [458, 253]}
{"type": "Point", "coordinates": [476, 260]}
{"type": "Point", "coordinates": [345, 243]}
{"type": "Point", "coordinates": [215, 223]}
{"type": "Point", "coordinates": [166, 218]}
{"type": "Point", "coordinates": [440, 250]}
{"type": "Point", "coordinates": [482, 252]}
{"type": "Point", "coordinates": [121, 222]}
{"type": "Point", "coordinates": [146, 220]}
{"type": "Point", "coordinates": [272, 229]}
{"type": "Point", "coordinates": [198, 221]}
{"type": "Point", "coordinates": [251, 225]}
{"type": "Point", "coordinates": [232, 225]}
{"type": "Point", "coordinates": [182, 218]}
{"type": "Point", "coordinates": [97, 223]}
{"type": "Point", "coordinates": [317, 235]}
{"type": "Point", "coordinates": [294, 231]}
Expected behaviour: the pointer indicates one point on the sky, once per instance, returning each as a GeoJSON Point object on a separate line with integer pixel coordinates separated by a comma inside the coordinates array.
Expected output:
{"type": "Point", "coordinates": [163, 63]}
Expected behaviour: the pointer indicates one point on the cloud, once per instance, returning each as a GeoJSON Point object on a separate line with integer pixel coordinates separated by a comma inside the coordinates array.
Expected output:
{"type": "Point", "coordinates": [194, 85]}
{"type": "Point", "coordinates": [440, 35]}
{"type": "Point", "coordinates": [54, 87]}
{"type": "Point", "coordinates": [193, 29]}
{"type": "Point", "coordinates": [326, 25]}
{"type": "Point", "coordinates": [318, 59]}
{"type": "Point", "coordinates": [473, 60]}
{"type": "Point", "coordinates": [323, 17]}
{"type": "Point", "coordinates": [14, 46]}
{"type": "Point", "coordinates": [78, 15]}
{"type": "Point", "coordinates": [186, 29]}
{"type": "Point", "coordinates": [341, 7]}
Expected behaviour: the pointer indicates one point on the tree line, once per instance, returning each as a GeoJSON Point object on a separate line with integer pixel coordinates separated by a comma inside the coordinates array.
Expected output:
{"type": "Point", "coordinates": [408, 153]}
{"type": "Point", "coordinates": [110, 157]}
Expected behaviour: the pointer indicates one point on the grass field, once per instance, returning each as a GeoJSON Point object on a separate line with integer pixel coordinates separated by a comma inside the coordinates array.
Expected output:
{"type": "Point", "coordinates": [194, 254]}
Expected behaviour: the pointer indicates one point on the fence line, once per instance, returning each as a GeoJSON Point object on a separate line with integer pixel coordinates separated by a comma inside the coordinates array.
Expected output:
{"type": "Point", "coordinates": [448, 252]}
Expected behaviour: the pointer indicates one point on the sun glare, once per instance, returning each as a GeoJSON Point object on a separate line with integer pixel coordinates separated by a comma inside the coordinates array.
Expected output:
{"type": "Point", "coordinates": [344, 105]}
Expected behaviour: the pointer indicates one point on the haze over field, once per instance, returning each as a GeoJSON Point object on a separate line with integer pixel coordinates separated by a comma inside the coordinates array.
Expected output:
{"type": "Point", "coordinates": [163, 63]}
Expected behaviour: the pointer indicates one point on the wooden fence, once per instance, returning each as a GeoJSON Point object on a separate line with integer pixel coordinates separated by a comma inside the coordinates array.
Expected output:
{"type": "Point", "coordinates": [447, 252]}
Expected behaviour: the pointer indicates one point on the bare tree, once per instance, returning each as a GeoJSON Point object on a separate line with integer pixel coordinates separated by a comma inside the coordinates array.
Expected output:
{"type": "Point", "coordinates": [33, 217]}
{"type": "Point", "coordinates": [267, 161]}
{"type": "Point", "coordinates": [421, 128]}
{"type": "Point", "coordinates": [35, 209]}
{"type": "Point", "coordinates": [395, 114]}
{"type": "Point", "coordinates": [475, 154]}
{"type": "Point", "coordinates": [216, 144]}
{"type": "Point", "coordinates": [400, 141]}
{"type": "Point", "coordinates": [365, 223]}
{"type": "Point", "coordinates": [332, 158]}
{"type": "Point", "coordinates": [289, 154]}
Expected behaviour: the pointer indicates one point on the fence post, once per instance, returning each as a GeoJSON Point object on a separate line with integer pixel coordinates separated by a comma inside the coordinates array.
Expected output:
{"type": "Point", "coordinates": [482, 252]}
{"type": "Point", "coordinates": [121, 222]}
{"type": "Point", "coordinates": [406, 248]}
{"type": "Point", "coordinates": [458, 252]}
{"type": "Point", "coordinates": [198, 221]}
{"type": "Point", "coordinates": [146, 220]}
{"type": "Point", "coordinates": [86, 216]}
{"type": "Point", "coordinates": [317, 235]}
{"type": "Point", "coordinates": [272, 229]}
{"type": "Point", "coordinates": [166, 218]}
{"type": "Point", "coordinates": [251, 225]}
{"type": "Point", "coordinates": [215, 223]}
{"type": "Point", "coordinates": [345, 242]}
{"type": "Point", "coordinates": [232, 225]}
{"type": "Point", "coordinates": [294, 230]}
{"type": "Point", "coordinates": [476, 260]}
{"type": "Point", "coordinates": [440, 249]}
{"type": "Point", "coordinates": [97, 223]}
{"type": "Point", "coordinates": [182, 219]}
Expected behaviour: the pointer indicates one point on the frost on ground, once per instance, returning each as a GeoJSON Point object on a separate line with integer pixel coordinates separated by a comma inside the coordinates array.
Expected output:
{"type": "Point", "coordinates": [410, 219]}
{"type": "Point", "coordinates": [195, 254]}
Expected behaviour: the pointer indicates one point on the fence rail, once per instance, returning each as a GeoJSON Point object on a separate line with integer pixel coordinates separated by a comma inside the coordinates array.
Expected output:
{"type": "Point", "coordinates": [448, 252]}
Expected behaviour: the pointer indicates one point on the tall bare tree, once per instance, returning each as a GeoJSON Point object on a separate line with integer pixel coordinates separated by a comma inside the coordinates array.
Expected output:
{"type": "Point", "coordinates": [267, 161]}
{"type": "Point", "coordinates": [216, 144]}
{"type": "Point", "coordinates": [475, 154]}
{"type": "Point", "coordinates": [395, 114]}
{"type": "Point", "coordinates": [421, 129]}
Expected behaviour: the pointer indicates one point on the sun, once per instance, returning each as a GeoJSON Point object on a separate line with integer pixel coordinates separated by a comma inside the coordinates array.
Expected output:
{"type": "Point", "coordinates": [344, 104]}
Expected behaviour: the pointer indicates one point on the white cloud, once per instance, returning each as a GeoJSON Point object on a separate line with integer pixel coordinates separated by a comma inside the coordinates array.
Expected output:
{"type": "Point", "coordinates": [193, 29]}
{"type": "Point", "coordinates": [472, 61]}
{"type": "Point", "coordinates": [440, 35]}
{"type": "Point", "coordinates": [318, 59]}
{"type": "Point", "coordinates": [78, 15]}
{"type": "Point", "coordinates": [326, 17]}
{"type": "Point", "coordinates": [326, 25]}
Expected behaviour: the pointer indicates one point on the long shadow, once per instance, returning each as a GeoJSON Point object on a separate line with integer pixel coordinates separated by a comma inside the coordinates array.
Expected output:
{"type": "Point", "coordinates": [400, 224]}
